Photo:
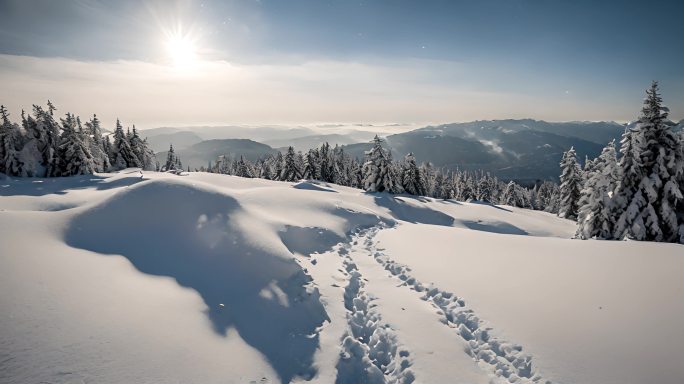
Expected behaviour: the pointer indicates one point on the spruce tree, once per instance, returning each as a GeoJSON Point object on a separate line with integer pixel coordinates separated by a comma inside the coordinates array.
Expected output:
{"type": "Point", "coordinates": [378, 175]}
{"type": "Point", "coordinates": [410, 176]}
{"type": "Point", "coordinates": [595, 217]}
{"type": "Point", "coordinates": [649, 193]}
{"type": "Point", "coordinates": [310, 164]}
{"type": "Point", "coordinates": [10, 145]}
{"type": "Point", "coordinates": [244, 168]}
{"type": "Point", "coordinates": [123, 154]}
{"type": "Point", "coordinates": [571, 185]}
{"type": "Point", "coordinates": [97, 144]}
{"type": "Point", "coordinates": [290, 171]}
{"type": "Point", "coordinates": [75, 156]}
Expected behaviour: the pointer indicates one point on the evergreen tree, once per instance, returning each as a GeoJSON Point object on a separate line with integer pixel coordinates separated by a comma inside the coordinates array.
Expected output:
{"type": "Point", "coordinates": [97, 144]}
{"type": "Point", "coordinates": [244, 168]}
{"type": "Point", "coordinates": [649, 193]}
{"type": "Point", "coordinates": [290, 172]}
{"type": "Point", "coordinates": [571, 185]}
{"type": "Point", "coordinates": [45, 131]}
{"type": "Point", "coordinates": [377, 173]}
{"type": "Point", "coordinates": [277, 166]}
{"type": "Point", "coordinates": [141, 150]}
{"type": "Point", "coordinates": [310, 164]}
{"type": "Point", "coordinates": [595, 217]}
{"type": "Point", "coordinates": [123, 154]}
{"type": "Point", "coordinates": [514, 195]}
{"type": "Point", "coordinates": [10, 145]}
{"type": "Point", "coordinates": [75, 156]}
{"type": "Point", "coordinates": [410, 176]}
{"type": "Point", "coordinates": [170, 164]}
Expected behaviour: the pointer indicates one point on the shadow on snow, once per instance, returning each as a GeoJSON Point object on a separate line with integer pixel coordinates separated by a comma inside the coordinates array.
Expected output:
{"type": "Point", "coordinates": [171, 229]}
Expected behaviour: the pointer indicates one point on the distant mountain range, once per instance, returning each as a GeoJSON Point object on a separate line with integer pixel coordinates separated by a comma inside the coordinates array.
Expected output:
{"type": "Point", "coordinates": [525, 150]}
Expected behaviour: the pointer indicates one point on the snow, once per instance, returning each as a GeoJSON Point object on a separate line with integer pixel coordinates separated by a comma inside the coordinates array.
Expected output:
{"type": "Point", "coordinates": [209, 278]}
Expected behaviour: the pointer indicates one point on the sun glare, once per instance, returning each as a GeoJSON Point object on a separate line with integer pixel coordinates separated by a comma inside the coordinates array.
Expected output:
{"type": "Point", "coordinates": [181, 50]}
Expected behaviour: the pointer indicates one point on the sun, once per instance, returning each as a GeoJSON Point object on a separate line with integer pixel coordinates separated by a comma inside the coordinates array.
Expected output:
{"type": "Point", "coordinates": [181, 50]}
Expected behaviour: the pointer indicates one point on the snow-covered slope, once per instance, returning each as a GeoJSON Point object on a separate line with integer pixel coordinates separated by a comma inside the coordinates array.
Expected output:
{"type": "Point", "coordinates": [205, 278]}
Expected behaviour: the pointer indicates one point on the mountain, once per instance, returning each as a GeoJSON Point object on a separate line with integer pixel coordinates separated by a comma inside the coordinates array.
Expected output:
{"type": "Point", "coordinates": [257, 133]}
{"type": "Point", "coordinates": [312, 141]}
{"type": "Point", "coordinates": [200, 154]}
{"type": "Point", "coordinates": [524, 150]}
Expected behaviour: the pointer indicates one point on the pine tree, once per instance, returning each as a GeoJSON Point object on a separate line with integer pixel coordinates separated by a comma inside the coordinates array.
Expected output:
{"type": "Point", "coordinates": [277, 166]}
{"type": "Point", "coordinates": [377, 170]}
{"type": "Point", "coordinates": [244, 168]}
{"type": "Point", "coordinates": [97, 145]}
{"type": "Point", "coordinates": [571, 185]}
{"type": "Point", "coordinates": [649, 192]}
{"type": "Point", "coordinates": [142, 151]}
{"type": "Point", "coordinates": [595, 217]}
{"type": "Point", "coordinates": [290, 172]}
{"type": "Point", "coordinates": [75, 156]}
{"type": "Point", "coordinates": [45, 131]}
{"type": "Point", "coordinates": [10, 144]}
{"type": "Point", "coordinates": [410, 176]}
{"type": "Point", "coordinates": [123, 154]}
{"type": "Point", "coordinates": [310, 164]}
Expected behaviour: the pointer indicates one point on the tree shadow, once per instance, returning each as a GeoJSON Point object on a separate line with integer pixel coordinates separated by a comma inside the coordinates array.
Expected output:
{"type": "Point", "coordinates": [495, 227]}
{"type": "Point", "coordinates": [166, 228]}
{"type": "Point", "coordinates": [401, 210]}
{"type": "Point", "coordinates": [33, 186]}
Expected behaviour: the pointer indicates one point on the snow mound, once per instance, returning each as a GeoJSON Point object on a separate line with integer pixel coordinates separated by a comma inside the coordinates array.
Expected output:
{"type": "Point", "coordinates": [189, 232]}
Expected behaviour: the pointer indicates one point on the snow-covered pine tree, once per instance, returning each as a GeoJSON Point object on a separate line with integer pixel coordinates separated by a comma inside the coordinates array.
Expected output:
{"type": "Point", "coordinates": [680, 207]}
{"type": "Point", "coordinates": [170, 164]}
{"type": "Point", "coordinates": [97, 144]}
{"type": "Point", "coordinates": [310, 164]}
{"type": "Point", "coordinates": [326, 164]}
{"type": "Point", "coordinates": [277, 166]}
{"type": "Point", "coordinates": [123, 154]}
{"type": "Point", "coordinates": [410, 176]}
{"type": "Point", "coordinates": [571, 185]}
{"type": "Point", "coordinates": [595, 211]}
{"type": "Point", "coordinates": [290, 171]}
{"type": "Point", "coordinates": [440, 190]}
{"type": "Point", "coordinates": [649, 192]}
{"type": "Point", "coordinates": [74, 152]}
{"type": "Point", "coordinates": [142, 151]}
{"type": "Point", "coordinates": [544, 195]}
{"type": "Point", "coordinates": [377, 173]}
{"type": "Point", "coordinates": [513, 195]}
{"type": "Point", "coordinates": [427, 177]}
{"type": "Point", "coordinates": [45, 130]}
{"type": "Point", "coordinates": [244, 168]}
{"type": "Point", "coordinates": [10, 145]}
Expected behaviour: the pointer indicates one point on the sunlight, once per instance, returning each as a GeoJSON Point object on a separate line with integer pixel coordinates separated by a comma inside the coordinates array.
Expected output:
{"type": "Point", "coordinates": [182, 51]}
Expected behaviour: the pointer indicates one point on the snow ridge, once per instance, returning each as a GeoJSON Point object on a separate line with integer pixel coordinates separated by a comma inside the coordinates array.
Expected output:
{"type": "Point", "coordinates": [370, 350]}
{"type": "Point", "coordinates": [504, 359]}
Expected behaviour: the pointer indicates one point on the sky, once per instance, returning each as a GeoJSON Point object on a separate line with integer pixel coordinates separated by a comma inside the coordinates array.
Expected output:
{"type": "Point", "coordinates": [183, 62]}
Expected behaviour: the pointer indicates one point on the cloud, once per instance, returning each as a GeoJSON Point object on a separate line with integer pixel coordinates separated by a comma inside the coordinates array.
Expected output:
{"type": "Point", "coordinates": [220, 92]}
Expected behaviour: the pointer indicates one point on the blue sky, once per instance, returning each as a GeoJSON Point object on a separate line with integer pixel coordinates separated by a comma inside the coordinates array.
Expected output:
{"type": "Point", "coordinates": [302, 61]}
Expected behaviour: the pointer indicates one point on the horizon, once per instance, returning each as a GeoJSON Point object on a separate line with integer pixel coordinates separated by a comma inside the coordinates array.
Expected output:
{"type": "Point", "coordinates": [195, 63]}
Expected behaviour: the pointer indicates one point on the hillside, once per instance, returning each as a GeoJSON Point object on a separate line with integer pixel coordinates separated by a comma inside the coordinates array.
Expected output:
{"type": "Point", "coordinates": [200, 154]}
{"type": "Point", "coordinates": [206, 278]}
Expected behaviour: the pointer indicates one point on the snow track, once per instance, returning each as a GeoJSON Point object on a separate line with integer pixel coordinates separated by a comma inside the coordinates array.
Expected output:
{"type": "Point", "coordinates": [505, 360]}
{"type": "Point", "coordinates": [370, 351]}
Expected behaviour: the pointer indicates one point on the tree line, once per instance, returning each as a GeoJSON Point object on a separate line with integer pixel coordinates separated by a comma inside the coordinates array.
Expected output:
{"type": "Point", "coordinates": [380, 173]}
{"type": "Point", "coordinates": [41, 146]}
